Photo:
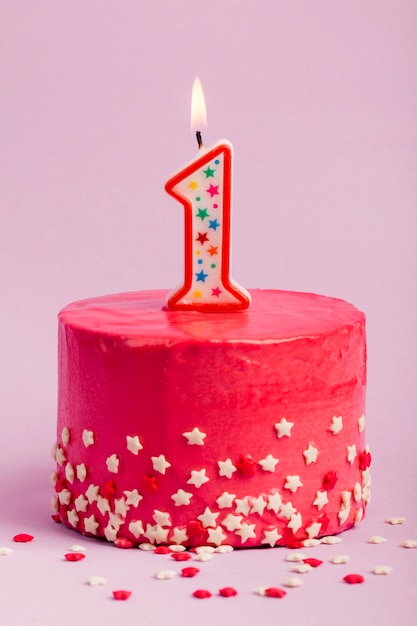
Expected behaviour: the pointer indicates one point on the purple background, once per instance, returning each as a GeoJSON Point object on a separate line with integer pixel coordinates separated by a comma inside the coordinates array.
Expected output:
{"type": "Point", "coordinates": [319, 100]}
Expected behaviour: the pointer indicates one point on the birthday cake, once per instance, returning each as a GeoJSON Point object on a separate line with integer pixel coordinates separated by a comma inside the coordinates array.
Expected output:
{"type": "Point", "coordinates": [182, 427]}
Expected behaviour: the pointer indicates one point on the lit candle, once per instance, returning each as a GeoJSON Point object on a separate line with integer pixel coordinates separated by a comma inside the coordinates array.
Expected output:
{"type": "Point", "coordinates": [204, 187]}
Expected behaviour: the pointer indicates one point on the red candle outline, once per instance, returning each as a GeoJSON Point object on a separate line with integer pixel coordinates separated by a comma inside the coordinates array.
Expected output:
{"type": "Point", "coordinates": [243, 299]}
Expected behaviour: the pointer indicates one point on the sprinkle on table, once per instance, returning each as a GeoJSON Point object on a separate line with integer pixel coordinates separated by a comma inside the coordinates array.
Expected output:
{"type": "Point", "coordinates": [354, 579]}
{"type": "Point", "coordinates": [313, 562]}
{"type": "Point", "coordinates": [23, 538]}
{"type": "Point", "coordinates": [201, 594]}
{"type": "Point", "coordinates": [74, 556]}
{"type": "Point", "coordinates": [227, 592]}
{"type": "Point", "coordinates": [189, 572]}
{"type": "Point", "coordinates": [121, 594]}
{"type": "Point", "coordinates": [181, 556]}
{"type": "Point", "coordinates": [274, 592]}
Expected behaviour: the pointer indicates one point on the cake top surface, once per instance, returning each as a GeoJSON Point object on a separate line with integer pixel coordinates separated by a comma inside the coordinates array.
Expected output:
{"type": "Point", "coordinates": [273, 316]}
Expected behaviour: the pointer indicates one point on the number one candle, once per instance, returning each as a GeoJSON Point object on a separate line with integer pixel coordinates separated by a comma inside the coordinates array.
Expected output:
{"type": "Point", "coordinates": [204, 187]}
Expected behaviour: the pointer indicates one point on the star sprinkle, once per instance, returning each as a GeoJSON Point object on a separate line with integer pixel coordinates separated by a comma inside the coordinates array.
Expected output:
{"type": "Point", "coordinates": [81, 472]}
{"type": "Point", "coordinates": [274, 502]}
{"type": "Point", "coordinates": [224, 549]}
{"type": "Point", "coordinates": [133, 497]}
{"type": "Point", "coordinates": [133, 444]}
{"type": "Point", "coordinates": [287, 510]}
{"type": "Point", "coordinates": [201, 276]}
{"type": "Point", "coordinates": [64, 497]}
{"type": "Point", "coordinates": [65, 436]}
{"type": "Point", "coordinates": [69, 473]}
{"type": "Point", "coordinates": [81, 504]}
{"type": "Point", "coordinates": [73, 517]}
{"type": "Point", "coordinates": [271, 537]}
{"type": "Point", "coordinates": [216, 291]}
{"type": "Point", "coordinates": [357, 492]}
{"type": "Point", "coordinates": [295, 557]}
{"type": "Point", "coordinates": [310, 454]}
{"type": "Point", "coordinates": [193, 185]}
{"type": "Point", "coordinates": [198, 478]}
{"type": "Point", "coordinates": [112, 463]}
{"type": "Point", "coordinates": [227, 592]}
{"type": "Point", "coordinates": [160, 464]}
{"type": "Point", "coordinates": [156, 534]}
{"type": "Point", "coordinates": [313, 530]}
{"type": "Point", "coordinates": [295, 522]}
{"type": "Point", "coordinates": [246, 531]}
{"type": "Point", "coordinates": [213, 250]}
{"type": "Point", "coordinates": [376, 539]}
{"type": "Point", "coordinates": [246, 465]}
{"type": "Point", "coordinates": [268, 463]}
{"type": "Point", "coordinates": [409, 543]}
{"type": "Point", "coordinates": [60, 456]}
{"type": "Point", "coordinates": [189, 572]}
{"type": "Point", "coordinates": [74, 556]}
{"type": "Point", "coordinates": [321, 500]}
{"type": "Point", "coordinates": [91, 525]}
{"type": "Point", "coordinates": [88, 438]}
{"type": "Point", "coordinates": [336, 425]}
{"type": "Point", "coordinates": [182, 498]}
{"type": "Point", "coordinates": [136, 528]}
{"type": "Point", "coordinates": [149, 484]}
{"type": "Point", "coordinates": [329, 480]}
{"type": "Point", "coordinates": [202, 238]}
{"type": "Point", "coordinates": [209, 172]}
{"type": "Point", "coordinates": [383, 570]}
{"type": "Point", "coordinates": [395, 520]}
{"type": "Point", "coordinates": [351, 453]}
{"type": "Point", "coordinates": [121, 594]}
{"type": "Point", "coordinates": [92, 493]}
{"type": "Point", "coordinates": [165, 574]}
{"type": "Point", "coordinates": [232, 522]}
{"type": "Point", "coordinates": [354, 579]}
{"type": "Point", "coordinates": [96, 581]}
{"type": "Point", "coordinates": [202, 214]}
{"type": "Point", "coordinates": [178, 536]}
{"type": "Point", "coordinates": [121, 507]}
{"type": "Point", "coordinates": [293, 582]}
{"type": "Point", "coordinates": [225, 501]}
{"type": "Point", "coordinates": [162, 518]}
{"type": "Point", "coordinates": [110, 533]}
{"type": "Point", "coordinates": [361, 423]}
{"type": "Point", "coordinates": [226, 468]}
{"type": "Point", "coordinates": [197, 294]}
{"type": "Point", "coordinates": [216, 535]}
{"type": "Point", "coordinates": [258, 505]}
{"type": "Point", "coordinates": [292, 483]}
{"type": "Point", "coordinates": [214, 224]}
{"type": "Point", "coordinates": [195, 437]}
{"type": "Point", "coordinates": [340, 559]}
{"type": "Point", "coordinates": [208, 518]}
{"type": "Point", "coordinates": [242, 505]}
{"type": "Point", "coordinates": [302, 568]}
{"type": "Point", "coordinates": [283, 428]}
{"type": "Point", "coordinates": [23, 538]}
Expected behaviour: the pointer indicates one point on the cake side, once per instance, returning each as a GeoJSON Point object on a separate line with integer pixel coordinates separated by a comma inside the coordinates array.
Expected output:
{"type": "Point", "coordinates": [227, 439]}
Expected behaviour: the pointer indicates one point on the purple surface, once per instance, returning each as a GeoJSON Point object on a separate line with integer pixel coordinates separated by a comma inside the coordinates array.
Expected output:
{"type": "Point", "coordinates": [319, 102]}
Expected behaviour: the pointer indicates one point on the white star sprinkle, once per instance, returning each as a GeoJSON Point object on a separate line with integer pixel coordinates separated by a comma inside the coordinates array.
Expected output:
{"type": "Point", "coordinates": [268, 463]}
{"type": "Point", "coordinates": [331, 540]}
{"type": "Point", "coordinates": [376, 539]}
{"type": "Point", "coordinates": [162, 518]}
{"type": "Point", "coordinates": [361, 423]}
{"type": "Point", "coordinates": [81, 471]}
{"type": "Point", "coordinates": [293, 582]}
{"type": "Point", "coordinates": [178, 536]}
{"type": "Point", "coordinates": [208, 518]}
{"type": "Point", "coordinates": [60, 456]}
{"type": "Point", "coordinates": [340, 559]}
{"type": "Point", "coordinates": [91, 525]}
{"type": "Point", "coordinates": [88, 437]}
{"type": "Point", "coordinates": [225, 549]}
{"type": "Point", "coordinates": [182, 498]}
{"type": "Point", "coordinates": [310, 454]}
{"type": "Point", "coordinates": [69, 473]}
{"type": "Point", "coordinates": [198, 478]}
{"type": "Point", "coordinates": [133, 497]}
{"type": "Point", "coordinates": [274, 502]}
{"type": "Point", "coordinates": [336, 425]}
{"type": "Point", "coordinates": [225, 501]}
{"type": "Point", "coordinates": [54, 478]}
{"type": "Point", "coordinates": [112, 463]}
{"type": "Point", "coordinates": [382, 569]}
{"type": "Point", "coordinates": [55, 504]}
{"type": "Point", "coordinates": [321, 500]}
{"type": "Point", "coordinates": [302, 568]}
{"type": "Point", "coordinates": [92, 493]}
{"type": "Point", "coordinates": [103, 505]}
{"type": "Point", "coordinates": [81, 503]}
{"type": "Point", "coordinates": [204, 556]}
{"type": "Point", "coordinates": [358, 516]}
{"type": "Point", "coordinates": [160, 464]}
{"type": "Point", "coordinates": [396, 520]}
{"type": "Point", "coordinates": [292, 483]}
{"type": "Point", "coordinates": [136, 528]}
{"type": "Point", "coordinates": [311, 543]}
{"type": "Point", "coordinates": [258, 505]}
{"type": "Point", "coordinates": [78, 548]}
{"type": "Point", "coordinates": [283, 428]}
{"type": "Point", "coordinates": [165, 574]}
{"type": "Point", "coordinates": [357, 492]}
{"type": "Point", "coordinates": [409, 543]}
{"type": "Point", "coordinates": [65, 436]}
{"type": "Point", "coordinates": [295, 522]}
{"type": "Point", "coordinates": [232, 522]}
{"type": "Point", "coordinates": [96, 581]}
{"type": "Point", "coordinates": [133, 444]}
{"type": "Point", "coordinates": [271, 537]}
{"type": "Point", "coordinates": [73, 517]}
{"type": "Point", "coordinates": [110, 533]}
{"type": "Point", "coordinates": [351, 453]}
{"type": "Point", "coordinates": [295, 557]}
{"type": "Point", "coordinates": [121, 506]}
{"type": "Point", "coordinates": [195, 437]}
{"type": "Point", "coordinates": [216, 535]}
{"type": "Point", "coordinates": [64, 497]}
{"type": "Point", "coordinates": [242, 505]}
{"type": "Point", "coordinates": [247, 531]}
{"type": "Point", "coordinates": [115, 520]}
{"type": "Point", "coordinates": [287, 510]}
{"type": "Point", "coordinates": [226, 468]}
{"type": "Point", "coordinates": [313, 530]}
{"type": "Point", "coordinates": [156, 534]}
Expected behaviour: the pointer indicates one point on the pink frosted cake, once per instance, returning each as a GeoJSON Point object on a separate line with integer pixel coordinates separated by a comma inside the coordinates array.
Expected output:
{"type": "Point", "coordinates": [191, 428]}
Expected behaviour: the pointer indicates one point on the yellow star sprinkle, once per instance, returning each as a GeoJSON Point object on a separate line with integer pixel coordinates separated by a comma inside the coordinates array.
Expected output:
{"type": "Point", "coordinates": [197, 294]}
{"type": "Point", "coordinates": [193, 184]}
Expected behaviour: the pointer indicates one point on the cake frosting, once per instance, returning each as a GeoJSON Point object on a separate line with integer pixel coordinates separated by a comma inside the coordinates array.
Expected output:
{"type": "Point", "coordinates": [240, 428]}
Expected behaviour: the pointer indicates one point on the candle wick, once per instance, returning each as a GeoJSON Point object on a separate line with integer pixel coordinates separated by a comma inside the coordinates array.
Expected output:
{"type": "Point", "coordinates": [199, 139]}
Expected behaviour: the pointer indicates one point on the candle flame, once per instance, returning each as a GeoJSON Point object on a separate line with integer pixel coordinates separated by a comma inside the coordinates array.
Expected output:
{"type": "Point", "coordinates": [198, 107]}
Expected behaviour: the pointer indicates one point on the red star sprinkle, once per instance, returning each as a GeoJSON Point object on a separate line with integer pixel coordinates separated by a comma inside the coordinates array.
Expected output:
{"type": "Point", "coordinates": [195, 529]}
{"type": "Point", "coordinates": [149, 484]}
{"type": "Point", "coordinates": [189, 572]}
{"type": "Point", "coordinates": [201, 594]}
{"type": "Point", "coordinates": [124, 543]}
{"type": "Point", "coordinates": [107, 489]}
{"type": "Point", "coordinates": [312, 562]}
{"type": "Point", "coordinates": [227, 592]}
{"type": "Point", "coordinates": [74, 556]}
{"type": "Point", "coordinates": [23, 538]}
{"type": "Point", "coordinates": [180, 556]}
{"type": "Point", "coordinates": [162, 550]}
{"type": "Point", "coordinates": [274, 592]}
{"type": "Point", "coordinates": [295, 545]}
{"type": "Point", "coordinates": [246, 465]}
{"type": "Point", "coordinates": [329, 480]}
{"type": "Point", "coordinates": [354, 579]}
{"type": "Point", "coordinates": [364, 460]}
{"type": "Point", "coordinates": [324, 521]}
{"type": "Point", "coordinates": [121, 594]}
{"type": "Point", "coordinates": [202, 238]}
{"type": "Point", "coordinates": [55, 518]}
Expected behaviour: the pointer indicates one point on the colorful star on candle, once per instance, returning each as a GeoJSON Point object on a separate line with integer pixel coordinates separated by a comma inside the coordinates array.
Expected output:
{"type": "Point", "coordinates": [204, 189]}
